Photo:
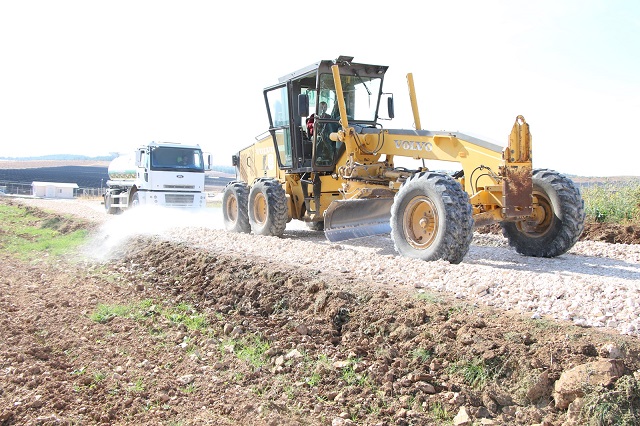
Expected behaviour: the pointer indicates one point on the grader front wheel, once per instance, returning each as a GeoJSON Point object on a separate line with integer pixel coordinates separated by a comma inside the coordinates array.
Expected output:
{"type": "Point", "coordinates": [431, 219]}
{"type": "Point", "coordinates": [557, 220]}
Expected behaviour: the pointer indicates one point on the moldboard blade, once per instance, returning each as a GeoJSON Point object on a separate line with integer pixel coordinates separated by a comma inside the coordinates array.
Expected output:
{"type": "Point", "coordinates": [349, 219]}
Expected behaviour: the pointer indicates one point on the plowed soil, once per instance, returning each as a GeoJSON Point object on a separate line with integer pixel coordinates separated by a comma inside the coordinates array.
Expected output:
{"type": "Point", "coordinates": [278, 345]}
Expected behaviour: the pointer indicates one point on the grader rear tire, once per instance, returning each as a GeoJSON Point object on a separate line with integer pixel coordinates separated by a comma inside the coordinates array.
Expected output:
{"type": "Point", "coordinates": [268, 213]}
{"type": "Point", "coordinates": [557, 222]}
{"type": "Point", "coordinates": [431, 219]}
{"type": "Point", "coordinates": [235, 212]}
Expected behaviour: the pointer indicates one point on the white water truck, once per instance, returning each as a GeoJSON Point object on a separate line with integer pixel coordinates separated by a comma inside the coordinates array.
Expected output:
{"type": "Point", "coordinates": [160, 174]}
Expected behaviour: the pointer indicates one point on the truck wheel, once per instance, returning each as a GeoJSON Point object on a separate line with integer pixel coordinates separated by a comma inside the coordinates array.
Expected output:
{"type": "Point", "coordinates": [431, 219]}
{"type": "Point", "coordinates": [107, 205]}
{"type": "Point", "coordinates": [235, 213]}
{"type": "Point", "coordinates": [557, 221]}
{"type": "Point", "coordinates": [268, 213]}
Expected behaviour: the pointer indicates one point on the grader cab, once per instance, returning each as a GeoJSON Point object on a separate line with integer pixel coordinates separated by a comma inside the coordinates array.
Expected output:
{"type": "Point", "coordinates": [328, 161]}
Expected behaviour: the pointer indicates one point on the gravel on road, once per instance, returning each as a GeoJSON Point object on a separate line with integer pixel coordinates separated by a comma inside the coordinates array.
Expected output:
{"type": "Point", "coordinates": [595, 284]}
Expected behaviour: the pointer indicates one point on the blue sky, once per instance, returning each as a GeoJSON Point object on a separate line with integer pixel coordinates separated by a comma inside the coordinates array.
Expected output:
{"type": "Point", "coordinates": [90, 77]}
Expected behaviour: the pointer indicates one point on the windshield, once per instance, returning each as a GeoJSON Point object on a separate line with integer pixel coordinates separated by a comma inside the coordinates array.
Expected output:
{"type": "Point", "coordinates": [360, 96]}
{"type": "Point", "coordinates": [172, 158]}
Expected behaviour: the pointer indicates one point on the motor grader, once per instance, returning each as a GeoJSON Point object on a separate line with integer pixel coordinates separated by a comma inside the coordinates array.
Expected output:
{"type": "Point", "coordinates": [328, 161]}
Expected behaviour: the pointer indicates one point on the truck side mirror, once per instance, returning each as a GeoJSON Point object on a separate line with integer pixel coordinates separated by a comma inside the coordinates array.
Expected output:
{"type": "Point", "coordinates": [390, 109]}
{"type": "Point", "coordinates": [139, 158]}
{"type": "Point", "coordinates": [303, 105]}
{"type": "Point", "coordinates": [208, 161]}
{"type": "Point", "coordinates": [235, 160]}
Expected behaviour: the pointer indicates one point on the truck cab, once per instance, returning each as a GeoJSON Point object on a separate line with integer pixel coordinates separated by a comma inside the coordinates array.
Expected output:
{"type": "Point", "coordinates": [303, 112]}
{"type": "Point", "coordinates": [160, 174]}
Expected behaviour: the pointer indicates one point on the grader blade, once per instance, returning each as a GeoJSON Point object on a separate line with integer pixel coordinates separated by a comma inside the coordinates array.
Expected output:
{"type": "Point", "coordinates": [348, 219]}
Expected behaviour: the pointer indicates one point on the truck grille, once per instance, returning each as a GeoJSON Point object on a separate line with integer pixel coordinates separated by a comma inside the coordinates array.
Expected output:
{"type": "Point", "coordinates": [178, 199]}
{"type": "Point", "coordinates": [179, 187]}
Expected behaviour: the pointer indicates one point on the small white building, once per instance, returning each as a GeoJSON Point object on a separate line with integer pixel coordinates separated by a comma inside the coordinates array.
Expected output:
{"type": "Point", "coordinates": [53, 189]}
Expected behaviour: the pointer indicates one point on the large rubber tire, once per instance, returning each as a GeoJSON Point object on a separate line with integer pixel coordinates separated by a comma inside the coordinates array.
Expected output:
{"type": "Point", "coordinates": [268, 212]}
{"type": "Point", "coordinates": [108, 207]}
{"type": "Point", "coordinates": [557, 222]}
{"type": "Point", "coordinates": [235, 211]}
{"type": "Point", "coordinates": [135, 200]}
{"type": "Point", "coordinates": [431, 218]}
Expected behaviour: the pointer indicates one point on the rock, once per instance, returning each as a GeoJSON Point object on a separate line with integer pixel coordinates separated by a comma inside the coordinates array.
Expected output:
{"type": "Point", "coordinates": [539, 388]}
{"type": "Point", "coordinates": [610, 350]}
{"type": "Point", "coordinates": [573, 411]}
{"type": "Point", "coordinates": [462, 418]}
{"type": "Point", "coordinates": [571, 383]}
{"type": "Point", "coordinates": [293, 354]}
{"type": "Point", "coordinates": [186, 379]}
{"type": "Point", "coordinates": [227, 329]}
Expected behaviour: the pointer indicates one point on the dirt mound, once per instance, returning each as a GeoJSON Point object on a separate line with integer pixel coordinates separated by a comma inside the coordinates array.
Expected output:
{"type": "Point", "coordinates": [612, 233]}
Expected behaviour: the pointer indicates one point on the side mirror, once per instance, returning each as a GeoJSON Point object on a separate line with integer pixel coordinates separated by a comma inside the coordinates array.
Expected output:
{"type": "Point", "coordinates": [139, 158]}
{"type": "Point", "coordinates": [303, 105]}
{"type": "Point", "coordinates": [390, 109]}
{"type": "Point", "coordinates": [235, 160]}
{"type": "Point", "coordinates": [208, 161]}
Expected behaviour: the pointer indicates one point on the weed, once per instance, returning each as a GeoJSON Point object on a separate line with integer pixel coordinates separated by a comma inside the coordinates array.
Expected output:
{"type": "Point", "coordinates": [429, 297]}
{"type": "Point", "coordinates": [421, 354]}
{"type": "Point", "coordinates": [350, 376]}
{"type": "Point", "coordinates": [439, 412]}
{"type": "Point", "coordinates": [289, 391]}
{"type": "Point", "coordinates": [187, 315]}
{"type": "Point", "coordinates": [190, 388]}
{"type": "Point", "coordinates": [137, 386]}
{"type": "Point", "coordinates": [618, 406]}
{"type": "Point", "coordinates": [105, 313]}
{"type": "Point", "coordinates": [250, 349]}
{"type": "Point", "coordinates": [280, 306]}
{"type": "Point", "coordinates": [99, 376]}
{"type": "Point", "coordinates": [314, 380]}
{"type": "Point", "coordinates": [79, 372]}
{"type": "Point", "coordinates": [474, 372]}
{"type": "Point", "coordinates": [612, 202]}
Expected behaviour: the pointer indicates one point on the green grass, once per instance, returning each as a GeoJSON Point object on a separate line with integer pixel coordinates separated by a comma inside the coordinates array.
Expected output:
{"type": "Point", "coordinates": [180, 314]}
{"type": "Point", "coordinates": [421, 354]}
{"type": "Point", "coordinates": [439, 412]}
{"type": "Point", "coordinates": [612, 202]}
{"type": "Point", "coordinates": [187, 315]}
{"type": "Point", "coordinates": [28, 236]}
{"type": "Point", "coordinates": [429, 297]}
{"type": "Point", "coordinates": [249, 348]}
{"type": "Point", "coordinates": [474, 372]}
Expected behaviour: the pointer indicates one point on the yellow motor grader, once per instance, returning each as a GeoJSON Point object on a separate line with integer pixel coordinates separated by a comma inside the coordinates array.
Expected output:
{"type": "Point", "coordinates": [328, 161]}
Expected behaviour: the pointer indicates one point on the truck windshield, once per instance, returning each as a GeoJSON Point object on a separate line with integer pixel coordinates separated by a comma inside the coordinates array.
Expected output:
{"type": "Point", "coordinates": [173, 158]}
{"type": "Point", "coordinates": [360, 96]}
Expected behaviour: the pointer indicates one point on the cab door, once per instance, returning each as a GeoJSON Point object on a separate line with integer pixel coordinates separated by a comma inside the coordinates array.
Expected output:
{"type": "Point", "coordinates": [277, 101]}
